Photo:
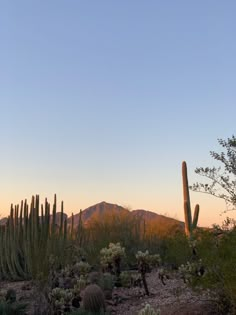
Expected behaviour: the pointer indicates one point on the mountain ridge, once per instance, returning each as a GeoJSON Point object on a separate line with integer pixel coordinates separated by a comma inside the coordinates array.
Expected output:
{"type": "Point", "coordinates": [103, 208]}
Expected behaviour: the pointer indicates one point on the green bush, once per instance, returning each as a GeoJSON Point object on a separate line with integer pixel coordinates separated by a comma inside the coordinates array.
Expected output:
{"type": "Point", "coordinates": [216, 248]}
{"type": "Point", "coordinates": [175, 250]}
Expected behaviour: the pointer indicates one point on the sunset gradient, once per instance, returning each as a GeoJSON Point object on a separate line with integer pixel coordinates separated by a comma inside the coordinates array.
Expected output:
{"type": "Point", "coordinates": [103, 100]}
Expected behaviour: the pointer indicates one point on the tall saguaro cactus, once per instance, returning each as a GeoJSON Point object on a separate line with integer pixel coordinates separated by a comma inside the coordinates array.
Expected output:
{"type": "Point", "coordinates": [190, 224]}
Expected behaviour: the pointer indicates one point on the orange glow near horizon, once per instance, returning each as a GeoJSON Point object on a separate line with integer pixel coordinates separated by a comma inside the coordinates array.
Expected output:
{"type": "Point", "coordinates": [211, 209]}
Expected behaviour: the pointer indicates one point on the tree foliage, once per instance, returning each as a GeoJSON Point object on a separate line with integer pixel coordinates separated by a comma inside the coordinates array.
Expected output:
{"type": "Point", "coordinates": [221, 180]}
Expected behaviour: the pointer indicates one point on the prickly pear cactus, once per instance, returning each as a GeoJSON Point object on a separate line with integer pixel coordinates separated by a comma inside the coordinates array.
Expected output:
{"type": "Point", "coordinates": [93, 300]}
{"type": "Point", "coordinates": [148, 310]}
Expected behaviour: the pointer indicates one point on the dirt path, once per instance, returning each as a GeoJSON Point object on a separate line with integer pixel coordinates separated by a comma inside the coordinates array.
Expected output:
{"type": "Point", "coordinates": [174, 298]}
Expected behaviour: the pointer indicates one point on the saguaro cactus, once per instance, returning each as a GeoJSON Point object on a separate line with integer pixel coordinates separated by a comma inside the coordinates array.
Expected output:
{"type": "Point", "coordinates": [190, 224]}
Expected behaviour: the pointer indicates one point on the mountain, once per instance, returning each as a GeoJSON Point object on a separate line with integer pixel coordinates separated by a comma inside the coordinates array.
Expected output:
{"type": "Point", "coordinates": [149, 216]}
{"type": "Point", "coordinates": [146, 214]}
{"type": "Point", "coordinates": [97, 211]}
{"type": "Point", "coordinates": [103, 208]}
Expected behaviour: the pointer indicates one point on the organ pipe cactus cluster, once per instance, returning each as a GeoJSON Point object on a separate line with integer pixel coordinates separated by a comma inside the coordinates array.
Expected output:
{"type": "Point", "coordinates": [28, 238]}
{"type": "Point", "coordinates": [190, 224]}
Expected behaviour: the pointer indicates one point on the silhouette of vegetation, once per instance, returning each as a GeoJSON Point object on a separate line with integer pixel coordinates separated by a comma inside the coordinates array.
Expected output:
{"type": "Point", "coordinates": [222, 181]}
{"type": "Point", "coordinates": [215, 267]}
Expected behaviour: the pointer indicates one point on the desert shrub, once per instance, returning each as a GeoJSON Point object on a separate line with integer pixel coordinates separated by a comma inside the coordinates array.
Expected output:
{"type": "Point", "coordinates": [175, 250]}
{"type": "Point", "coordinates": [216, 248]}
{"type": "Point", "coordinates": [126, 279]}
{"type": "Point", "coordinates": [112, 229]}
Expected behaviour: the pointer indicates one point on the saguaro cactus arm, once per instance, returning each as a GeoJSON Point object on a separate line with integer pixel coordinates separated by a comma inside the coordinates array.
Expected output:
{"type": "Point", "coordinates": [195, 217]}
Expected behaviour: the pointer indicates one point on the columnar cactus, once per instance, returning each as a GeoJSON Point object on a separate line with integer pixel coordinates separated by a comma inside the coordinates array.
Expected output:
{"type": "Point", "coordinates": [190, 224]}
{"type": "Point", "coordinates": [27, 237]}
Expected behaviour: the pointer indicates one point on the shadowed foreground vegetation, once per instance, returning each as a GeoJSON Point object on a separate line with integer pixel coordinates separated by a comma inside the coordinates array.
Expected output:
{"type": "Point", "coordinates": [61, 258]}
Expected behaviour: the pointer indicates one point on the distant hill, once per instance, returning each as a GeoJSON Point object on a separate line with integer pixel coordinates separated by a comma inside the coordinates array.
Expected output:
{"type": "Point", "coordinates": [149, 216]}
{"type": "Point", "coordinates": [146, 214]}
{"type": "Point", "coordinates": [103, 208]}
{"type": "Point", "coordinates": [97, 211]}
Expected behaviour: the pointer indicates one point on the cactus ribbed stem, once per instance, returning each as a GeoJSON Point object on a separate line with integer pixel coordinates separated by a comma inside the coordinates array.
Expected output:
{"type": "Point", "coordinates": [72, 225]}
{"type": "Point", "coordinates": [190, 224]}
{"type": "Point", "coordinates": [28, 237]}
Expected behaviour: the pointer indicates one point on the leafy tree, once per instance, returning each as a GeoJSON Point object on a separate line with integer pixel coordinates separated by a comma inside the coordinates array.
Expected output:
{"type": "Point", "coordinates": [222, 179]}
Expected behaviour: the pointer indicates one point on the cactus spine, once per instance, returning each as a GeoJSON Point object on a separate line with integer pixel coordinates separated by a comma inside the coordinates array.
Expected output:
{"type": "Point", "coordinates": [190, 224]}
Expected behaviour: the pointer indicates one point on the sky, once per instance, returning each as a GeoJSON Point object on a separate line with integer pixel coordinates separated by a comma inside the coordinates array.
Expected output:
{"type": "Point", "coordinates": [103, 100]}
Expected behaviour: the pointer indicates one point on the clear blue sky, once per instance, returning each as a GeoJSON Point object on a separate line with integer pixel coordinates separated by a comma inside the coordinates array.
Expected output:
{"type": "Point", "coordinates": [103, 100]}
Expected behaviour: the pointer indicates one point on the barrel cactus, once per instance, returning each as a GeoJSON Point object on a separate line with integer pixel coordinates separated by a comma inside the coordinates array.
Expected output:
{"type": "Point", "coordinates": [93, 300]}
